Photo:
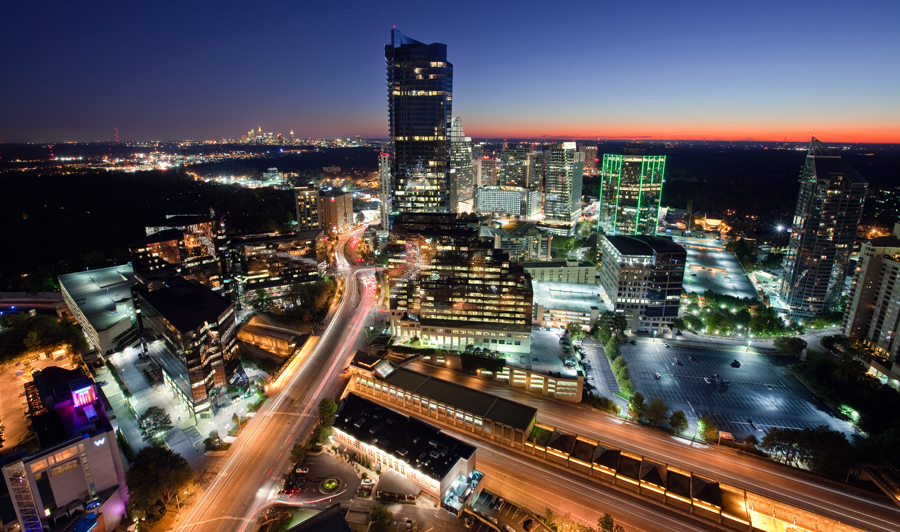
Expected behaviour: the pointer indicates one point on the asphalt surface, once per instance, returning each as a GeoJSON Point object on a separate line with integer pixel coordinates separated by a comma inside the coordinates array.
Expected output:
{"type": "Point", "coordinates": [718, 271]}
{"type": "Point", "coordinates": [745, 400]}
{"type": "Point", "coordinates": [251, 476]}
{"type": "Point", "coordinates": [830, 499]}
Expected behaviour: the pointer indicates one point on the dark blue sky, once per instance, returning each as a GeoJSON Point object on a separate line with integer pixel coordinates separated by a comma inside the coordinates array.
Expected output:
{"type": "Point", "coordinates": [204, 70]}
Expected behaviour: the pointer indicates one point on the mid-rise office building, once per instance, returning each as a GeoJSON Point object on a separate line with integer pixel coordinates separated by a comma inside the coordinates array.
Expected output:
{"type": "Point", "coordinates": [384, 190]}
{"type": "Point", "coordinates": [432, 460]}
{"type": "Point", "coordinates": [562, 271]}
{"type": "Point", "coordinates": [642, 275]}
{"type": "Point", "coordinates": [100, 300]}
{"type": "Point", "coordinates": [630, 189]}
{"type": "Point", "coordinates": [195, 328]}
{"type": "Point", "coordinates": [336, 211]}
{"type": "Point", "coordinates": [590, 158]}
{"type": "Point", "coordinates": [511, 201]}
{"type": "Point", "coordinates": [520, 167]}
{"type": "Point", "coordinates": [462, 175]}
{"type": "Point", "coordinates": [522, 240]}
{"type": "Point", "coordinates": [562, 188]}
{"type": "Point", "coordinates": [420, 94]}
{"type": "Point", "coordinates": [823, 230]}
{"type": "Point", "coordinates": [487, 171]}
{"type": "Point", "coordinates": [873, 312]}
{"type": "Point", "coordinates": [275, 263]}
{"type": "Point", "coordinates": [70, 475]}
{"type": "Point", "coordinates": [307, 203]}
{"type": "Point", "coordinates": [462, 292]}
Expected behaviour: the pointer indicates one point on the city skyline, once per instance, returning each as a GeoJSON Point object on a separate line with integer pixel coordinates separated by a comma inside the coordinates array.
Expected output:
{"type": "Point", "coordinates": [661, 72]}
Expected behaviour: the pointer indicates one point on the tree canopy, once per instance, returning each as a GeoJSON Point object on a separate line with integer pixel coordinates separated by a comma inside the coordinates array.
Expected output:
{"type": "Point", "coordinates": [155, 424]}
{"type": "Point", "coordinates": [159, 480]}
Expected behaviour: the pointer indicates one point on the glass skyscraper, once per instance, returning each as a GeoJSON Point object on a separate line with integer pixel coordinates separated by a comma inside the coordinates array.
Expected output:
{"type": "Point", "coordinates": [823, 230]}
{"type": "Point", "coordinates": [562, 188]}
{"type": "Point", "coordinates": [420, 89]}
{"type": "Point", "coordinates": [630, 188]}
{"type": "Point", "coordinates": [462, 175]}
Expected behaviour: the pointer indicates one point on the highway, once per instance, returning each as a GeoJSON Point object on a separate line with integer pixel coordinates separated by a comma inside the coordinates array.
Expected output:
{"type": "Point", "coordinates": [251, 475]}
{"type": "Point", "coordinates": [830, 499]}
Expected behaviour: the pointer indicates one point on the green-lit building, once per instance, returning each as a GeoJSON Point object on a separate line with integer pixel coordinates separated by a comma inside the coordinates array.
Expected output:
{"type": "Point", "coordinates": [630, 189]}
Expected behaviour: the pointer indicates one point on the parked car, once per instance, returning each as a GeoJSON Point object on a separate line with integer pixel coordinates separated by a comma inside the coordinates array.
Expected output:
{"type": "Point", "coordinates": [529, 525]}
{"type": "Point", "coordinates": [469, 522]}
{"type": "Point", "coordinates": [633, 342]}
{"type": "Point", "coordinates": [302, 471]}
{"type": "Point", "coordinates": [706, 380]}
{"type": "Point", "coordinates": [657, 376]}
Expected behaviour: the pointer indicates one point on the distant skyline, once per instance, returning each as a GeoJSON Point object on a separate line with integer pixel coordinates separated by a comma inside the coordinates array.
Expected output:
{"type": "Point", "coordinates": [649, 69]}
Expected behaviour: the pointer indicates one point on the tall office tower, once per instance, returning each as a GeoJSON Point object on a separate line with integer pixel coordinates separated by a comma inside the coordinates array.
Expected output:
{"type": "Point", "coordinates": [384, 184]}
{"type": "Point", "coordinates": [487, 172]}
{"type": "Point", "coordinates": [872, 313]}
{"type": "Point", "coordinates": [462, 176]}
{"type": "Point", "coordinates": [307, 200]}
{"type": "Point", "coordinates": [336, 211]}
{"type": "Point", "coordinates": [825, 221]}
{"type": "Point", "coordinates": [630, 188]}
{"type": "Point", "coordinates": [515, 166]}
{"type": "Point", "coordinates": [590, 157]}
{"type": "Point", "coordinates": [537, 161]}
{"type": "Point", "coordinates": [643, 276]}
{"type": "Point", "coordinates": [420, 88]}
{"type": "Point", "coordinates": [562, 188]}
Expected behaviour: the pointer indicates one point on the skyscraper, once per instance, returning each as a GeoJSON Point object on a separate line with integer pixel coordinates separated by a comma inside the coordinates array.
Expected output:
{"type": "Point", "coordinates": [384, 184]}
{"type": "Point", "coordinates": [562, 188]}
{"type": "Point", "coordinates": [307, 201]}
{"type": "Point", "coordinates": [515, 166]}
{"type": "Point", "coordinates": [462, 175]}
{"type": "Point", "coordinates": [630, 188]}
{"type": "Point", "coordinates": [420, 89]}
{"type": "Point", "coordinates": [822, 233]}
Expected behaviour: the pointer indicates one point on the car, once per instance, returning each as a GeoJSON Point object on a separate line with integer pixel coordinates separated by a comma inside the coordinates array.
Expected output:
{"type": "Point", "coordinates": [102, 383]}
{"type": "Point", "coordinates": [409, 523]}
{"type": "Point", "coordinates": [768, 387]}
{"type": "Point", "coordinates": [657, 376]}
{"type": "Point", "coordinates": [706, 380]}
{"type": "Point", "coordinates": [633, 342]}
{"type": "Point", "coordinates": [667, 345]}
{"type": "Point", "coordinates": [302, 471]}
{"type": "Point", "coordinates": [469, 522]}
{"type": "Point", "coordinates": [735, 364]}
{"type": "Point", "coordinates": [492, 519]}
{"type": "Point", "coordinates": [529, 525]}
{"type": "Point", "coordinates": [346, 370]}
{"type": "Point", "coordinates": [505, 528]}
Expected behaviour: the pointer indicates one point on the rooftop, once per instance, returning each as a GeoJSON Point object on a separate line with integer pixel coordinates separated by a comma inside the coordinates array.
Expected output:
{"type": "Point", "coordinates": [645, 245]}
{"type": "Point", "coordinates": [566, 296]}
{"type": "Point", "coordinates": [485, 405]}
{"type": "Point", "coordinates": [422, 446]}
{"type": "Point", "coordinates": [186, 304]}
{"type": "Point", "coordinates": [100, 294]}
{"type": "Point", "coordinates": [65, 404]}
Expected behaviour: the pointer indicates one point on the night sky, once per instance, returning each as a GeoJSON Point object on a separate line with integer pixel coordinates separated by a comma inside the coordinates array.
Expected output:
{"type": "Point", "coordinates": [664, 70]}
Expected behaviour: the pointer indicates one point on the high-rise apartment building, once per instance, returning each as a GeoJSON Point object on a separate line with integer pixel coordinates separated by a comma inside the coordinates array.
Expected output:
{"type": "Point", "coordinates": [420, 89]}
{"type": "Point", "coordinates": [630, 188]}
{"type": "Point", "coordinates": [562, 188]}
{"type": "Point", "coordinates": [462, 175]}
{"type": "Point", "coordinates": [513, 201]}
{"type": "Point", "coordinates": [643, 276]}
{"type": "Point", "coordinates": [307, 201]}
{"type": "Point", "coordinates": [515, 168]}
{"type": "Point", "coordinates": [873, 312]}
{"type": "Point", "coordinates": [384, 186]}
{"type": "Point", "coordinates": [487, 172]}
{"type": "Point", "coordinates": [590, 158]}
{"type": "Point", "coordinates": [336, 211]}
{"type": "Point", "coordinates": [823, 230]}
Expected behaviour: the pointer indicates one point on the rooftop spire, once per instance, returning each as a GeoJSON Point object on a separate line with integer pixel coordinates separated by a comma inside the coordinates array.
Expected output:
{"type": "Point", "coordinates": [817, 149]}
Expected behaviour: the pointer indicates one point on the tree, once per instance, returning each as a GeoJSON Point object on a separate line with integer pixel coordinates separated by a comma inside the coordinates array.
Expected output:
{"type": "Point", "coordinates": [327, 408]}
{"type": "Point", "coordinates": [656, 412]}
{"type": "Point", "coordinates": [606, 523]}
{"type": "Point", "coordinates": [576, 331]}
{"type": "Point", "coordinates": [790, 345]}
{"type": "Point", "coordinates": [155, 425]}
{"type": "Point", "coordinates": [612, 348]}
{"type": "Point", "coordinates": [636, 406]}
{"type": "Point", "coordinates": [751, 441]}
{"type": "Point", "coordinates": [707, 429]}
{"type": "Point", "coordinates": [298, 453]}
{"type": "Point", "coordinates": [602, 334]}
{"type": "Point", "coordinates": [380, 519]}
{"type": "Point", "coordinates": [678, 422]}
{"type": "Point", "coordinates": [159, 480]}
{"type": "Point", "coordinates": [360, 217]}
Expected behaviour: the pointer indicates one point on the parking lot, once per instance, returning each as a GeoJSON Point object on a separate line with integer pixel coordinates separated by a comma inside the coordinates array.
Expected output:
{"type": "Point", "coordinates": [742, 400]}
{"type": "Point", "coordinates": [501, 512]}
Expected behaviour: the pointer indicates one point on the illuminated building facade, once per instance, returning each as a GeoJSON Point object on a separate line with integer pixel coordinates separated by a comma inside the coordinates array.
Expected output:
{"type": "Point", "coordinates": [642, 275]}
{"type": "Point", "coordinates": [562, 188]}
{"type": "Point", "coordinates": [462, 175]}
{"type": "Point", "coordinates": [71, 474]}
{"type": "Point", "coordinates": [630, 189]}
{"type": "Point", "coordinates": [202, 247]}
{"type": "Point", "coordinates": [275, 263]}
{"type": "Point", "coordinates": [197, 329]}
{"type": "Point", "coordinates": [512, 201]}
{"type": "Point", "coordinates": [307, 211]}
{"type": "Point", "coordinates": [522, 240]}
{"type": "Point", "coordinates": [384, 184]}
{"type": "Point", "coordinates": [873, 312]}
{"type": "Point", "coordinates": [590, 158]}
{"type": "Point", "coordinates": [829, 208]}
{"type": "Point", "coordinates": [421, 452]}
{"type": "Point", "coordinates": [487, 171]}
{"type": "Point", "coordinates": [562, 271]}
{"type": "Point", "coordinates": [336, 211]}
{"type": "Point", "coordinates": [420, 94]}
{"type": "Point", "coordinates": [463, 292]}
{"type": "Point", "coordinates": [519, 167]}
